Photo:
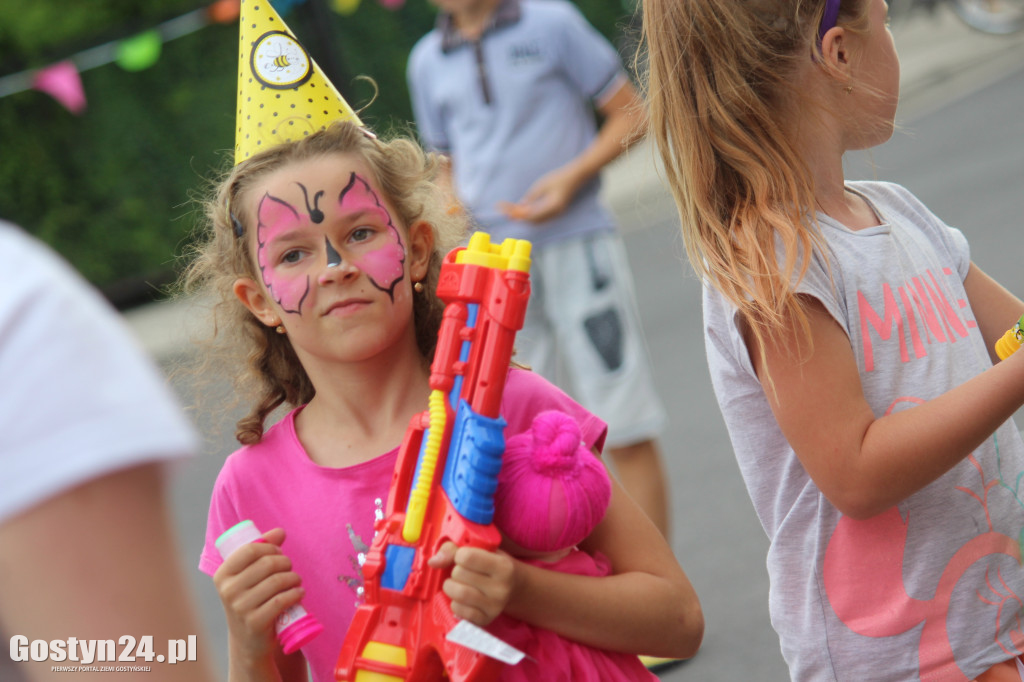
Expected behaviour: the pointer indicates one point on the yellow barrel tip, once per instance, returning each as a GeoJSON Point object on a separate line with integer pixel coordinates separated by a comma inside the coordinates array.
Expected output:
{"type": "Point", "coordinates": [511, 254]}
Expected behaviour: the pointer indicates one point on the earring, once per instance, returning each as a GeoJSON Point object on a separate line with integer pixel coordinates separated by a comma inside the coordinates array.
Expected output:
{"type": "Point", "coordinates": [280, 329]}
{"type": "Point", "coordinates": [418, 287]}
{"type": "Point", "coordinates": [848, 89]}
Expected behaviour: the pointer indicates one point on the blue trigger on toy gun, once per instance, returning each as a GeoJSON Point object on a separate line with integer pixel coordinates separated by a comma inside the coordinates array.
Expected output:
{"type": "Point", "coordinates": [474, 462]}
{"type": "Point", "coordinates": [397, 567]}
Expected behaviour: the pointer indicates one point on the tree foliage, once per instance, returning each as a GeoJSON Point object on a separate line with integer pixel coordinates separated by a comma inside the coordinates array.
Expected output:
{"type": "Point", "coordinates": [114, 189]}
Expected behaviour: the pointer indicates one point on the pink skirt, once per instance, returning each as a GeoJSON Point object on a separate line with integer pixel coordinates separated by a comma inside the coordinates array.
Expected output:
{"type": "Point", "coordinates": [554, 658]}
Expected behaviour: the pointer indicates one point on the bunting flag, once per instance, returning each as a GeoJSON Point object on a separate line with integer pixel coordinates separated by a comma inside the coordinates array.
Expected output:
{"type": "Point", "coordinates": [345, 7]}
{"type": "Point", "coordinates": [224, 11]}
{"type": "Point", "coordinates": [62, 82]}
{"type": "Point", "coordinates": [139, 52]}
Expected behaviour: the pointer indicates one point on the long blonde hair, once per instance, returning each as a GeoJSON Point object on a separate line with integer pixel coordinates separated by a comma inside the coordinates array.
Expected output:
{"type": "Point", "coordinates": [719, 76]}
{"type": "Point", "coordinates": [260, 362]}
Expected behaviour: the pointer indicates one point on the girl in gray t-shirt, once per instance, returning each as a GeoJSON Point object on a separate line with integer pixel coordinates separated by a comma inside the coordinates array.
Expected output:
{"type": "Point", "coordinates": [849, 339]}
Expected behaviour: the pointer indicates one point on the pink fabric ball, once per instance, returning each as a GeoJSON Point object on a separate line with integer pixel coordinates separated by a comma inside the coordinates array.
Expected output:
{"type": "Point", "coordinates": [552, 490]}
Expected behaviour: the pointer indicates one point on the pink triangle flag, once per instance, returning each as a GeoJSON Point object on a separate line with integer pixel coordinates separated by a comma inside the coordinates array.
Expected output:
{"type": "Point", "coordinates": [62, 82]}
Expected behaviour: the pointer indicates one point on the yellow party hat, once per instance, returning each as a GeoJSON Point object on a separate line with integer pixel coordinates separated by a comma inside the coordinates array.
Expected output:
{"type": "Point", "coordinates": [282, 93]}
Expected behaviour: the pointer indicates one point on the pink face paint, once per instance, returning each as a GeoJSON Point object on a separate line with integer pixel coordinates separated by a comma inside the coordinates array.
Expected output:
{"type": "Point", "coordinates": [275, 216]}
{"type": "Point", "coordinates": [384, 266]}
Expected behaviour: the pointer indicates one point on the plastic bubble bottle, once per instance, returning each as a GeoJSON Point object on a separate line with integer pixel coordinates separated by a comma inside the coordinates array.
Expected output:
{"type": "Point", "coordinates": [295, 628]}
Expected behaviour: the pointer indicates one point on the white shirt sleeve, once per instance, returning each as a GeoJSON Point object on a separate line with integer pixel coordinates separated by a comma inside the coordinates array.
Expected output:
{"type": "Point", "coordinates": [80, 396]}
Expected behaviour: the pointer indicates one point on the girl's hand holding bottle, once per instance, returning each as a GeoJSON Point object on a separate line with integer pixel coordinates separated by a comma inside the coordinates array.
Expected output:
{"type": "Point", "coordinates": [256, 585]}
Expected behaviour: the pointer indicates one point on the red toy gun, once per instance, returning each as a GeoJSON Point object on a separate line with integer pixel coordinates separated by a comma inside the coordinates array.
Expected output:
{"type": "Point", "coordinates": [399, 633]}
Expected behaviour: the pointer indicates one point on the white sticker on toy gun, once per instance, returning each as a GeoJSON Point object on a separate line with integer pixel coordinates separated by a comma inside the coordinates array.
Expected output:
{"type": "Point", "coordinates": [481, 641]}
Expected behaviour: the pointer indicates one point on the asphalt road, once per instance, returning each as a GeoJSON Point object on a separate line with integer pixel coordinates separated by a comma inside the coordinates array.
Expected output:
{"type": "Point", "coordinates": [959, 148]}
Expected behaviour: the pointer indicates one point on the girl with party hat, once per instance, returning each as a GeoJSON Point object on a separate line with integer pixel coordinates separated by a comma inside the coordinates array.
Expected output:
{"type": "Point", "coordinates": [321, 255]}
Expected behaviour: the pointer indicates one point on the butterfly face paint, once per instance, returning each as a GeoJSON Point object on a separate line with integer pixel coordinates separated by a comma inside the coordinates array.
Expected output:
{"type": "Point", "coordinates": [293, 246]}
{"type": "Point", "coordinates": [385, 266]}
{"type": "Point", "coordinates": [276, 217]}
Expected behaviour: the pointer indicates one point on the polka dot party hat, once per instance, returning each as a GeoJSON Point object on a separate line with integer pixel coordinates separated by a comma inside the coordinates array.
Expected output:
{"type": "Point", "coordinates": [282, 93]}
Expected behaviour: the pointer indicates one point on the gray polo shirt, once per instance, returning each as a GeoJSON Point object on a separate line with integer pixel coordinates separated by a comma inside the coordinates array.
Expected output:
{"type": "Point", "coordinates": [515, 105]}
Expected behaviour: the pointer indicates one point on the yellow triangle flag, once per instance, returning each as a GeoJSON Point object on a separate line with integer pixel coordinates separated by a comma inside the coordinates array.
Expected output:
{"type": "Point", "coordinates": [282, 93]}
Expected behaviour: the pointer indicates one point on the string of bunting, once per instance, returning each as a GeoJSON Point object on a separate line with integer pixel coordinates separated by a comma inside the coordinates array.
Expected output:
{"type": "Point", "coordinates": [61, 80]}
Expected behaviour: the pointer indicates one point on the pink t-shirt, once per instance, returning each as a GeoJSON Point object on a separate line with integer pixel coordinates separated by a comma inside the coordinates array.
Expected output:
{"type": "Point", "coordinates": [329, 513]}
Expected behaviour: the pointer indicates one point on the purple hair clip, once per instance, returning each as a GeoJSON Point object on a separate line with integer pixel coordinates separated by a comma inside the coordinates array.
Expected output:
{"type": "Point", "coordinates": [828, 19]}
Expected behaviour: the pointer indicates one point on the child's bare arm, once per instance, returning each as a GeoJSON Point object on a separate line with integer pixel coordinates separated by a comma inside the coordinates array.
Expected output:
{"type": "Point", "coordinates": [117, 572]}
{"type": "Point", "coordinates": [861, 463]}
{"type": "Point", "coordinates": [647, 606]}
{"type": "Point", "coordinates": [256, 584]}
{"type": "Point", "coordinates": [625, 122]}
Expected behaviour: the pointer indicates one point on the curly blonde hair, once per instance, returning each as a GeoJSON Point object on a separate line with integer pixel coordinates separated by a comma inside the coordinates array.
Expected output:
{"type": "Point", "coordinates": [260, 362]}
{"type": "Point", "coordinates": [720, 75]}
